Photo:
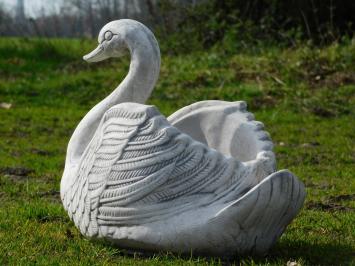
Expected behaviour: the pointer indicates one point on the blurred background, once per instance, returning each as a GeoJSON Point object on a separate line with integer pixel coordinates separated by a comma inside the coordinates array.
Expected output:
{"type": "Point", "coordinates": [206, 21]}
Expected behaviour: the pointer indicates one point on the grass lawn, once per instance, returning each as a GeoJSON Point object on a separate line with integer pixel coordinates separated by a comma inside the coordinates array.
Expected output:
{"type": "Point", "coordinates": [305, 96]}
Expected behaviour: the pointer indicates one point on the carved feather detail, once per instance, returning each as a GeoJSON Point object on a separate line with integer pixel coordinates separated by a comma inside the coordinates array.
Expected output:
{"type": "Point", "coordinates": [138, 168]}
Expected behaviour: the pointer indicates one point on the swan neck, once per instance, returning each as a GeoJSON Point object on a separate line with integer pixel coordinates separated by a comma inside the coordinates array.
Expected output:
{"type": "Point", "coordinates": [136, 87]}
{"type": "Point", "coordinates": [143, 71]}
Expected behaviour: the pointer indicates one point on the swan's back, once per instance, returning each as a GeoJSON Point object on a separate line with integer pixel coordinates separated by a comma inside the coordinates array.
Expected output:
{"type": "Point", "coordinates": [138, 168]}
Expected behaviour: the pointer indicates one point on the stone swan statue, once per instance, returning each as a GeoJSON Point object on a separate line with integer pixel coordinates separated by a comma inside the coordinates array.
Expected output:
{"type": "Point", "coordinates": [203, 180]}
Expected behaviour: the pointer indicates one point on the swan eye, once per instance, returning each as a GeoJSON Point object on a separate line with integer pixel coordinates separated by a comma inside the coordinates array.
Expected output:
{"type": "Point", "coordinates": [108, 35]}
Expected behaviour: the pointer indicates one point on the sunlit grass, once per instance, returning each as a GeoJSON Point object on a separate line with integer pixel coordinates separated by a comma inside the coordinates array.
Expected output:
{"type": "Point", "coordinates": [304, 96]}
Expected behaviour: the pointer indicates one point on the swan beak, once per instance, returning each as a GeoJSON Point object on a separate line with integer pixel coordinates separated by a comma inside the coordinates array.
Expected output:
{"type": "Point", "coordinates": [96, 56]}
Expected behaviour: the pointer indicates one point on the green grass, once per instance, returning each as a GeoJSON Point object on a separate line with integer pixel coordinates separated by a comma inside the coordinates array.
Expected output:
{"type": "Point", "coordinates": [305, 96]}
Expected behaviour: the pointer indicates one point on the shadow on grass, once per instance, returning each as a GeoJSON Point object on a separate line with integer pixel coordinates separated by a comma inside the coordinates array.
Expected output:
{"type": "Point", "coordinates": [300, 251]}
{"type": "Point", "coordinates": [311, 253]}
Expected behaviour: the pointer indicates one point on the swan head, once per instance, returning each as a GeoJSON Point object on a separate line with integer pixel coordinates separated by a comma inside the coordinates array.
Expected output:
{"type": "Point", "coordinates": [112, 40]}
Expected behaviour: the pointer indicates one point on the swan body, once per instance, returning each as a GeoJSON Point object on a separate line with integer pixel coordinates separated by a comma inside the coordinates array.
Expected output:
{"type": "Point", "coordinates": [202, 180]}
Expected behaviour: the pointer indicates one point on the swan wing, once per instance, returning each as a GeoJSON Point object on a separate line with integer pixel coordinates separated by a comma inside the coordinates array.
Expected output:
{"type": "Point", "coordinates": [89, 177]}
{"type": "Point", "coordinates": [139, 168]}
{"type": "Point", "coordinates": [206, 121]}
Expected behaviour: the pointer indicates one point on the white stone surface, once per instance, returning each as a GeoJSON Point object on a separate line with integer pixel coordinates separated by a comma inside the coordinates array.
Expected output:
{"type": "Point", "coordinates": [203, 180]}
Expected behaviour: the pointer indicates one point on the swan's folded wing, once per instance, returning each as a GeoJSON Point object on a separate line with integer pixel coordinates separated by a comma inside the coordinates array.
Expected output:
{"type": "Point", "coordinates": [151, 172]}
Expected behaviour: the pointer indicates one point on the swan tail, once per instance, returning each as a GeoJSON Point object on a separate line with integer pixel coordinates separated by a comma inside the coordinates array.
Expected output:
{"type": "Point", "coordinates": [263, 213]}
